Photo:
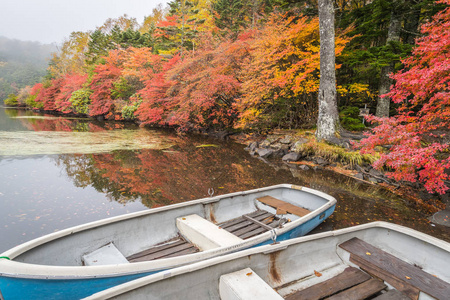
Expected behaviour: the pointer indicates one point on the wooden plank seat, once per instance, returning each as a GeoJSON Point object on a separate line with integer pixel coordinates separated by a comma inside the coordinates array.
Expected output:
{"type": "Point", "coordinates": [352, 283]}
{"type": "Point", "coordinates": [405, 277]}
{"type": "Point", "coordinates": [246, 227]}
{"type": "Point", "coordinates": [171, 248]}
{"type": "Point", "coordinates": [283, 207]}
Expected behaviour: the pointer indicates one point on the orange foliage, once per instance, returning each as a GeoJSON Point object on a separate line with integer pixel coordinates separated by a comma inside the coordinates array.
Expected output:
{"type": "Point", "coordinates": [284, 66]}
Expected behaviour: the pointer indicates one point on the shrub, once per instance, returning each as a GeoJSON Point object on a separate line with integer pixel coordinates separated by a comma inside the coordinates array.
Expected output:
{"type": "Point", "coordinates": [80, 101]}
{"type": "Point", "coordinates": [11, 100]}
{"type": "Point", "coordinates": [350, 118]}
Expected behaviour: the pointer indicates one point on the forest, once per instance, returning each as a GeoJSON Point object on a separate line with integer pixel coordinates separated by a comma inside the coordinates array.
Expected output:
{"type": "Point", "coordinates": [21, 64]}
{"type": "Point", "coordinates": [255, 66]}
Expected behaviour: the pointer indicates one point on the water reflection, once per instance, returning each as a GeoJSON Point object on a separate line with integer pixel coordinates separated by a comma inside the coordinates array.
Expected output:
{"type": "Point", "coordinates": [41, 194]}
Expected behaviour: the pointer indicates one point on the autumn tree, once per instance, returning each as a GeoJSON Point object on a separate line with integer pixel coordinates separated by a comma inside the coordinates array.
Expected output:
{"type": "Point", "coordinates": [119, 78]}
{"type": "Point", "coordinates": [70, 57]}
{"type": "Point", "coordinates": [281, 77]}
{"type": "Point", "coordinates": [180, 29]}
{"type": "Point", "coordinates": [157, 15]}
{"type": "Point", "coordinates": [418, 135]}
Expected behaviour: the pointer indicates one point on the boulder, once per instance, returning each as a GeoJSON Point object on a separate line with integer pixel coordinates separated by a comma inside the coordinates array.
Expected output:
{"type": "Point", "coordinates": [264, 153]}
{"type": "Point", "coordinates": [286, 140]}
{"type": "Point", "coordinates": [269, 141]}
{"type": "Point", "coordinates": [252, 147]}
{"type": "Point", "coordinates": [291, 156]}
{"type": "Point", "coordinates": [297, 145]}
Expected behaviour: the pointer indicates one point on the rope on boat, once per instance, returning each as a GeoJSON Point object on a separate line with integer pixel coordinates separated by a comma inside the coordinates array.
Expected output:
{"type": "Point", "coordinates": [273, 235]}
{"type": "Point", "coordinates": [5, 257]}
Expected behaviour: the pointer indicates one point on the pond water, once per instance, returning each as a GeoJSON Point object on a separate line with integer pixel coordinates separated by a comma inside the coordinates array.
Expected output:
{"type": "Point", "coordinates": [59, 172]}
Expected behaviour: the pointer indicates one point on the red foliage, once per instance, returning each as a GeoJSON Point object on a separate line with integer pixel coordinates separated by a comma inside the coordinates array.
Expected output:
{"type": "Point", "coordinates": [132, 62]}
{"type": "Point", "coordinates": [199, 91]}
{"type": "Point", "coordinates": [154, 108]}
{"type": "Point", "coordinates": [47, 94]}
{"type": "Point", "coordinates": [418, 133]}
{"type": "Point", "coordinates": [70, 83]}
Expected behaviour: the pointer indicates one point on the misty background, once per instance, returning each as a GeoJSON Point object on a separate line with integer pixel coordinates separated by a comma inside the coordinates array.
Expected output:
{"type": "Point", "coordinates": [31, 30]}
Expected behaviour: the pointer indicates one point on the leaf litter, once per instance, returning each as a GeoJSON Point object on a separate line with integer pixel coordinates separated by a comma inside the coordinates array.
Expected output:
{"type": "Point", "coordinates": [62, 142]}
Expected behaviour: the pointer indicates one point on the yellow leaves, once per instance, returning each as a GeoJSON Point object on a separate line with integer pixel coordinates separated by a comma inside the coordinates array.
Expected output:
{"type": "Point", "coordinates": [368, 253]}
{"type": "Point", "coordinates": [318, 274]}
{"type": "Point", "coordinates": [407, 277]}
{"type": "Point", "coordinates": [248, 274]}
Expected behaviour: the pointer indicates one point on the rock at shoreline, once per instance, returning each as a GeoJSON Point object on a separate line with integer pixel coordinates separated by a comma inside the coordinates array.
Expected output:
{"type": "Point", "coordinates": [297, 145]}
{"type": "Point", "coordinates": [264, 153]}
{"type": "Point", "coordinates": [291, 156]}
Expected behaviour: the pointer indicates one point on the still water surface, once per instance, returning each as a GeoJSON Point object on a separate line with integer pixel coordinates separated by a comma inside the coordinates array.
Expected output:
{"type": "Point", "coordinates": [60, 172]}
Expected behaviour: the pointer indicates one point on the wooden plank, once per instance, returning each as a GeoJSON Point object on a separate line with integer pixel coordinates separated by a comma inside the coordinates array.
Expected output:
{"type": "Point", "coordinates": [257, 231]}
{"type": "Point", "coordinates": [360, 291]}
{"type": "Point", "coordinates": [164, 253]}
{"type": "Point", "coordinates": [392, 295]}
{"type": "Point", "coordinates": [193, 249]}
{"type": "Point", "coordinates": [241, 219]}
{"type": "Point", "coordinates": [284, 206]}
{"type": "Point", "coordinates": [243, 222]}
{"type": "Point", "coordinates": [405, 287]}
{"type": "Point", "coordinates": [253, 226]}
{"type": "Point", "coordinates": [156, 248]}
{"type": "Point", "coordinates": [261, 224]}
{"type": "Point", "coordinates": [400, 274]}
{"type": "Point", "coordinates": [347, 279]}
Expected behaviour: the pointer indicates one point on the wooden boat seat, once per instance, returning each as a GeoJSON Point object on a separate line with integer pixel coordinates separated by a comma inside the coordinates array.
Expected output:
{"type": "Point", "coordinates": [283, 207]}
{"type": "Point", "coordinates": [350, 284]}
{"type": "Point", "coordinates": [106, 255]}
{"type": "Point", "coordinates": [246, 285]}
{"type": "Point", "coordinates": [246, 226]}
{"type": "Point", "coordinates": [204, 234]}
{"type": "Point", "coordinates": [405, 277]}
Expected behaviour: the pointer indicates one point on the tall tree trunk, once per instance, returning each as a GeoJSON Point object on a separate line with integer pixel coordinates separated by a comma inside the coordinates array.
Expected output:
{"type": "Point", "coordinates": [328, 119]}
{"type": "Point", "coordinates": [395, 27]}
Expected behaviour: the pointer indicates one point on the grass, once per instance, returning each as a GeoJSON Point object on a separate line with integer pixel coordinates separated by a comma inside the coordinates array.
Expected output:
{"type": "Point", "coordinates": [335, 153]}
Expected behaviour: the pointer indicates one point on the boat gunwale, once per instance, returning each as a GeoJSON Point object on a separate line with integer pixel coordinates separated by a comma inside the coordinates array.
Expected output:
{"type": "Point", "coordinates": [15, 269]}
{"type": "Point", "coordinates": [140, 282]}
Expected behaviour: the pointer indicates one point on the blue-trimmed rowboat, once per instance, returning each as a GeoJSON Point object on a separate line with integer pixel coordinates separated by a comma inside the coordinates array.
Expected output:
{"type": "Point", "coordinates": [85, 259]}
{"type": "Point", "coordinates": [376, 261]}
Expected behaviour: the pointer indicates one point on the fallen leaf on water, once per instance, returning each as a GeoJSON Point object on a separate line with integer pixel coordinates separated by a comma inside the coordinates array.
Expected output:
{"type": "Point", "coordinates": [318, 274]}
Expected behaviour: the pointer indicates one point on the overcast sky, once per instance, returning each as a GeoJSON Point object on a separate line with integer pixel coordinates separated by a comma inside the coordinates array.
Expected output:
{"type": "Point", "coordinates": [50, 21]}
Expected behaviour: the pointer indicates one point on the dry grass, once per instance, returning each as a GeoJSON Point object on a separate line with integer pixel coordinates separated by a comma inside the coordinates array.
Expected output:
{"type": "Point", "coordinates": [335, 153]}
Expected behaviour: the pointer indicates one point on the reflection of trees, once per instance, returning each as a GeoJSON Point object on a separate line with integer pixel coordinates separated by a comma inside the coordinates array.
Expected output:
{"type": "Point", "coordinates": [55, 123]}
{"type": "Point", "coordinates": [163, 177]}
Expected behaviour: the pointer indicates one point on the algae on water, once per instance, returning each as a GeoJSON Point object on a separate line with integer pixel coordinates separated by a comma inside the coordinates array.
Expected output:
{"type": "Point", "coordinates": [61, 142]}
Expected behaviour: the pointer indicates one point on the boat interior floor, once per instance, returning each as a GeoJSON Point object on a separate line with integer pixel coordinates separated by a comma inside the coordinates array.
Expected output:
{"type": "Point", "coordinates": [245, 226]}
{"type": "Point", "coordinates": [377, 269]}
{"type": "Point", "coordinates": [252, 224]}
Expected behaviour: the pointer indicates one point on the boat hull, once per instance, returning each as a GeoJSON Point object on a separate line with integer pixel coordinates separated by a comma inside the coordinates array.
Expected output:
{"type": "Point", "coordinates": [294, 265]}
{"type": "Point", "coordinates": [74, 283]}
